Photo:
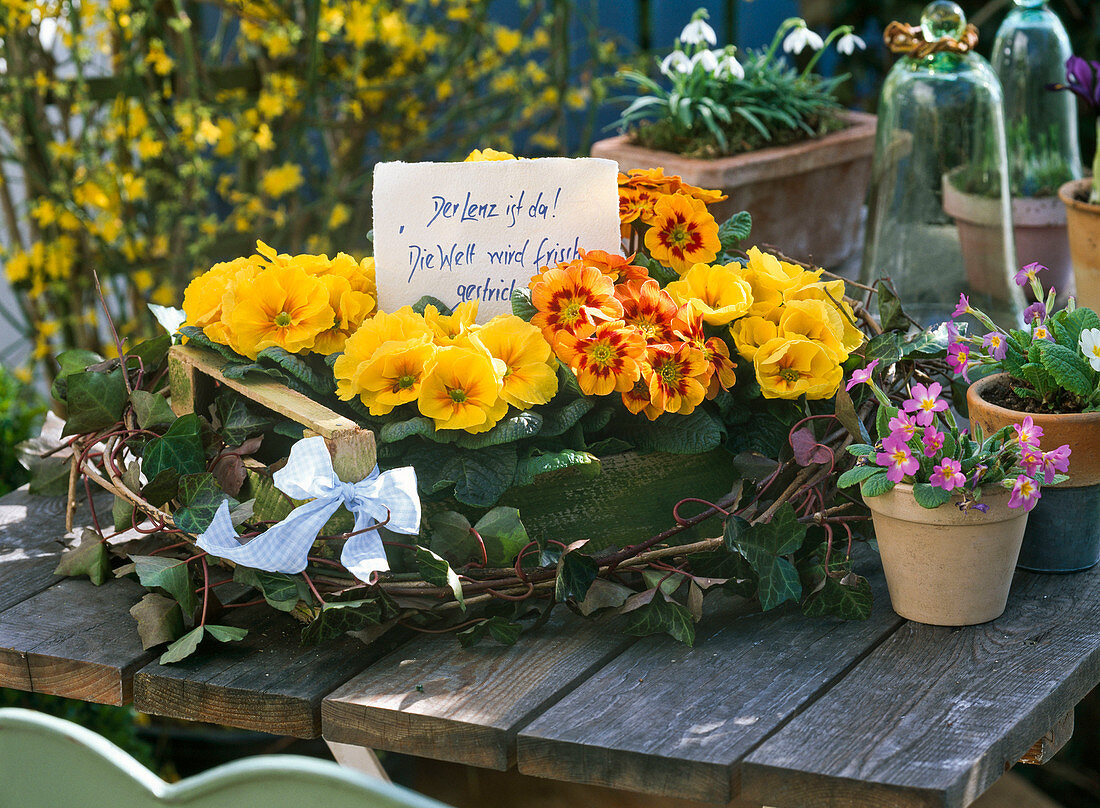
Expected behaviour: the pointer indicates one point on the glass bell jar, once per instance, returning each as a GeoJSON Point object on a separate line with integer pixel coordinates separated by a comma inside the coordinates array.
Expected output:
{"type": "Point", "coordinates": [1030, 54]}
{"type": "Point", "coordinates": [939, 216]}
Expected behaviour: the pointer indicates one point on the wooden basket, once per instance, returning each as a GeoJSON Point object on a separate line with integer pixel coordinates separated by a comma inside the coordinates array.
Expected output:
{"type": "Point", "coordinates": [621, 499]}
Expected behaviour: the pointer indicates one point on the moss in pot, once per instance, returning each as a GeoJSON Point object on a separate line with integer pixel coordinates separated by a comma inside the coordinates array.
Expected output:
{"type": "Point", "coordinates": [949, 508]}
{"type": "Point", "coordinates": [1048, 371]}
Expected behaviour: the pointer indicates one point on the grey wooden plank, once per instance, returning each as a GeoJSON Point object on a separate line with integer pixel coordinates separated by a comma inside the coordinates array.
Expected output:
{"type": "Point", "coordinates": [433, 698]}
{"type": "Point", "coordinates": [935, 715]}
{"type": "Point", "coordinates": [677, 721]}
{"type": "Point", "coordinates": [268, 682]}
{"type": "Point", "coordinates": [32, 530]}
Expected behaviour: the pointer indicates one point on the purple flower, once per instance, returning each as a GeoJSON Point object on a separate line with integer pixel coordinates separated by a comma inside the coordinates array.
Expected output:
{"type": "Point", "coordinates": [1056, 462]}
{"type": "Point", "coordinates": [995, 345]}
{"type": "Point", "coordinates": [962, 308]}
{"type": "Point", "coordinates": [1041, 332]}
{"type": "Point", "coordinates": [1083, 80]}
{"type": "Point", "coordinates": [958, 357]}
{"type": "Point", "coordinates": [1036, 312]}
{"type": "Point", "coordinates": [925, 402]}
{"type": "Point", "coordinates": [1025, 493]}
{"type": "Point", "coordinates": [1028, 432]}
{"type": "Point", "coordinates": [1027, 274]}
{"type": "Point", "coordinates": [933, 441]}
{"type": "Point", "coordinates": [897, 458]}
{"type": "Point", "coordinates": [862, 376]}
{"type": "Point", "coordinates": [1031, 459]}
{"type": "Point", "coordinates": [904, 424]}
{"type": "Point", "coordinates": [948, 475]}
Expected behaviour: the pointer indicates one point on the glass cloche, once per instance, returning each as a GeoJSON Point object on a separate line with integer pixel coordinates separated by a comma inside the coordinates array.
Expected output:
{"type": "Point", "coordinates": [1030, 54]}
{"type": "Point", "coordinates": [939, 218]}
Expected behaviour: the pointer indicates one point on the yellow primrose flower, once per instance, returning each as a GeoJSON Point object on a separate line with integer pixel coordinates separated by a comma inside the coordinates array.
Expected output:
{"type": "Point", "coordinates": [204, 297]}
{"type": "Point", "coordinates": [791, 368]}
{"type": "Point", "coordinates": [462, 391]}
{"type": "Point", "coordinates": [487, 155]}
{"type": "Point", "coordinates": [281, 306]}
{"type": "Point", "coordinates": [530, 376]}
{"type": "Point", "coordinates": [771, 280]}
{"type": "Point", "coordinates": [749, 333]}
{"type": "Point", "coordinates": [815, 320]}
{"type": "Point", "coordinates": [402, 325]}
{"type": "Point", "coordinates": [832, 293]}
{"type": "Point", "coordinates": [448, 327]}
{"type": "Point", "coordinates": [393, 377]}
{"type": "Point", "coordinates": [350, 307]}
{"type": "Point", "coordinates": [718, 292]}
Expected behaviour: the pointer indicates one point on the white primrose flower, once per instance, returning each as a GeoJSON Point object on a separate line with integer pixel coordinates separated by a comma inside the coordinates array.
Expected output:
{"type": "Point", "coordinates": [850, 43]}
{"type": "Point", "coordinates": [697, 32]}
{"type": "Point", "coordinates": [800, 38]}
{"type": "Point", "coordinates": [729, 66]}
{"type": "Point", "coordinates": [1090, 346]}
{"type": "Point", "coordinates": [708, 59]}
{"type": "Point", "coordinates": [676, 62]}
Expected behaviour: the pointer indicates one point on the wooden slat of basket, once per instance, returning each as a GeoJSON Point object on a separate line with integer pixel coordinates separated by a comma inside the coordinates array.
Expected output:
{"type": "Point", "coordinates": [192, 372]}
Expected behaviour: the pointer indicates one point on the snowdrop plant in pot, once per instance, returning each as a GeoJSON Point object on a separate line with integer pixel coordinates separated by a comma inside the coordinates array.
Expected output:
{"type": "Point", "coordinates": [768, 135]}
{"type": "Point", "coordinates": [949, 507]}
{"type": "Point", "coordinates": [1048, 371]}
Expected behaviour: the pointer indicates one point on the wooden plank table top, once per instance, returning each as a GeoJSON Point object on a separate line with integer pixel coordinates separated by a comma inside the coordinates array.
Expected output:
{"type": "Point", "coordinates": [767, 709]}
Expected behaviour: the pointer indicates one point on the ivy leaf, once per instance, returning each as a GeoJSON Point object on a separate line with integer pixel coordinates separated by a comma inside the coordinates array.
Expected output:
{"type": "Point", "coordinates": [763, 546]}
{"type": "Point", "coordinates": [184, 646]}
{"type": "Point", "coordinates": [152, 353]}
{"type": "Point", "coordinates": [857, 475]}
{"type": "Point", "coordinates": [849, 598]}
{"type": "Point", "coordinates": [170, 574]}
{"type": "Point", "coordinates": [603, 594]}
{"type": "Point", "coordinates": [340, 617]}
{"type": "Point", "coordinates": [846, 414]}
{"type": "Point", "coordinates": [885, 347]}
{"type": "Point", "coordinates": [889, 308]}
{"type": "Point", "coordinates": [435, 570]}
{"type": "Point", "coordinates": [49, 475]}
{"type": "Point", "coordinates": [179, 449]}
{"type": "Point", "coordinates": [159, 620]}
{"type": "Point", "coordinates": [876, 485]}
{"type": "Point", "coordinates": [151, 409]}
{"type": "Point", "coordinates": [499, 629]}
{"type": "Point", "coordinates": [89, 558]}
{"type": "Point", "coordinates": [781, 536]}
{"type": "Point", "coordinates": [122, 514]}
{"type": "Point", "coordinates": [575, 575]}
{"type": "Point", "coordinates": [807, 451]}
{"type": "Point", "coordinates": [161, 488]}
{"type": "Point", "coordinates": [661, 616]}
{"type": "Point", "coordinates": [522, 306]}
{"type": "Point", "coordinates": [271, 504]}
{"type": "Point", "coordinates": [239, 420]}
{"type": "Point", "coordinates": [740, 578]}
{"type": "Point", "coordinates": [281, 591]}
{"type": "Point", "coordinates": [201, 497]}
{"type": "Point", "coordinates": [779, 581]}
{"type": "Point", "coordinates": [95, 401]}
{"type": "Point", "coordinates": [452, 539]}
{"type": "Point", "coordinates": [226, 633]}
{"type": "Point", "coordinates": [929, 496]}
{"type": "Point", "coordinates": [75, 360]}
{"type": "Point", "coordinates": [504, 535]}
{"type": "Point", "coordinates": [928, 344]}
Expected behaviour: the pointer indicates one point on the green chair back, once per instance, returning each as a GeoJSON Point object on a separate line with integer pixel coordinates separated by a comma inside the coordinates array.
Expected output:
{"type": "Point", "coordinates": [46, 762]}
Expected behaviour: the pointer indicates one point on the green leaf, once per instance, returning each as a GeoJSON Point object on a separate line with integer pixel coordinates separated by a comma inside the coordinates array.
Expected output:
{"type": "Point", "coordinates": [435, 570]}
{"type": "Point", "coordinates": [481, 476]}
{"type": "Point", "coordinates": [763, 546]}
{"type": "Point", "coordinates": [559, 420]}
{"type": "Point", "coordinates": [416, 426]}
{"type": "Point", "coordinates": [152, 353]}
{"type": "Point", "coordinates": [427, 300]}
{"type": "Point", "coordinates": [779, 581]}
{"type": "Point", "coordinates": [89, 558]}
{"type": "Point", "coordinates": [75, 360]}
{"type": "Point", "coordinates": [170, 574]}
{"type": "Point", "coordinates": [122, 514]}
{"type": "Point", "coordinates": [1068, 366]}
{"type": "Point", "coordinates": [179, 449]}
{"type": "Point", "coordinates": [782, 535]}
{"type": "Point", "coordinates": [159, 620]}
{"type": "Point", "coordinates": [340, 617]}
{"type": "Point", "coordinates": [1068, 325]}
{"type": "Point", "coordinates": [857, 475]}
{"type": "Point", "coordinates": [201, 497]}
{"type": "Point", "coordinates": [889, 308]}
{"type": "Point", "coordinates": [504, 535]}
{"type": "Point", "coordinates": [195, 334]}
{"type": "Point", "coordinates": [883, 417]}
{"type": "Point", "coordinates": [603, 594]}
{"type": "Point", "coordinates": [516, 427]}
{"type": "Point", "coordinates": [575, 574]}
{"type": "Point", "coordinates": [281, 591]}
{"type": "Point", "coordinates": [271, 504]}
{"type": "Point", "coordinates": [734, 230]}
{"type": "Point", "coordinates": [929, 344]}
{"type": "Point", "coordinates": [849, 598]}
{"type": "Point", "coordinates": [452, 539]}
{"type": "Point", "coordinates": [876, 486]}
{"type": "Point", "coordinates": [661, 616]}
{"type": "Point", "coordinates": [151, 409]}
{"type": "Point", "coordinates": [885, 347]}
{"type": "Point", "coordinates": [183, 647]}
{"type": "Point", "coordinates": [239, 420]}
{"type": "Point", "coordinates": [676, 434]}
{"type": "Point", "coordinates": [928, 496]}
{"type": "Point", "coordinates": [522, 306]}
{"type": "Point", "coordinates": [740, 578]}
{"type": "Point", "coordinates": [530, 468]}
{"type": "Point", "coordinates": [846, 414]}
{"type": "Point", "coordinates": [49, 476]}
{"type": "Point", "coordinates": [298, 368]}
{"type": "Point", "coordinates": [95, 401]}
{"type": "Point", "coordinates": [226, 633]}
{"type": "Point", "coordinates": [497, 628]}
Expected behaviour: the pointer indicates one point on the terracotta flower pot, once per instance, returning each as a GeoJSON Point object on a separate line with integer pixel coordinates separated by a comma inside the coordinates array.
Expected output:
{"type": "Point", "coordinates": [1039, 226]}
{"type": "Point", "coordinates": [1063, 534]}
{"type": "Point", "coordinates": [1084, 240]}
{"type": "Point", "coordinates": [981, 222]}
{"type": "Point", "coordinates": [807, 197]}
{"type": "Point", "coordinates": [947, 567]}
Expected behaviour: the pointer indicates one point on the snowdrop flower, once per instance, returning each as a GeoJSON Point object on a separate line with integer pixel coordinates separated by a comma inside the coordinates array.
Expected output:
{"type": "Point", "coordinates": [697, 32]}
{"type": "Point", "coordinates": [800, 38]}
{"type": "Point", "coordinates": [1090, 346]}
{"type": "Point", "coordinates": [729, 66]}
{"type": "Point", "coordinates": [677, 62]}
{"type": "Point", "coordinates": [708, 59]}
{"type": "Point", "coordinates": [850, 43]}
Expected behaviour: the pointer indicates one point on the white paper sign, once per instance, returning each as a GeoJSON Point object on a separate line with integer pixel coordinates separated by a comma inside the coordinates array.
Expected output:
{"type": "Point", "coordinates": [478, 231]}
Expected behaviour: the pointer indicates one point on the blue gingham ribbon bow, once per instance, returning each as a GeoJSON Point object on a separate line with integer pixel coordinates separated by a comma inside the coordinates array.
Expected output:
{"type": "Point", "coordinates": [308, 474]}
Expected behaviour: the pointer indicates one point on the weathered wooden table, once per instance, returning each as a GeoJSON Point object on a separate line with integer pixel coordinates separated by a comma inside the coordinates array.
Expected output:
{"type": "Point", "coordinates": [766, 709]}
